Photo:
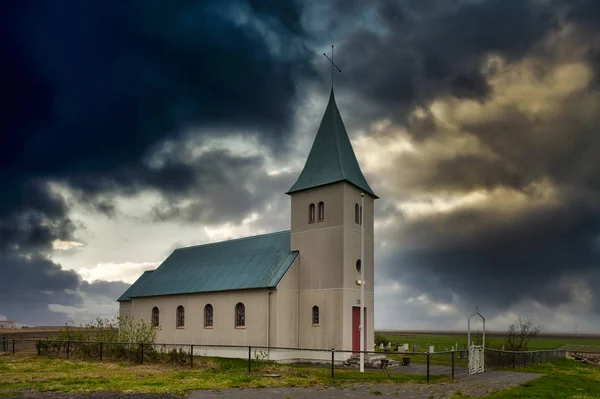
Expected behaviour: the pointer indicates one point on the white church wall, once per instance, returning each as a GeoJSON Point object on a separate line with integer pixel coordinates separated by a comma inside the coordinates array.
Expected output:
{"type": "Point", "coordinates": [284, 310]}
{"type": "Point", "coordinates": [330, 195]}
{"type": "Point", "coordinates": [223, 331]}
{"type": "Point", "coordinates": [125, 308]}
{"type": "Point", "coordinates": [328, 333]}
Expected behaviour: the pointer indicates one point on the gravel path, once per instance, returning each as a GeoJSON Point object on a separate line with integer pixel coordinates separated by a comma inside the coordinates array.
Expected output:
{"type": "Point", "coordinates": [476, 385]}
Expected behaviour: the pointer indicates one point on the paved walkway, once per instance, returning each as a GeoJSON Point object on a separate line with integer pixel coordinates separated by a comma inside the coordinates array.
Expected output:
{"type": "Point", "coordinates": [476, 385]}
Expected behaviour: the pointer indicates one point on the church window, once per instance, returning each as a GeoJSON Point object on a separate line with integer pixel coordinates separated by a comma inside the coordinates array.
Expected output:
{"type": "Point", "coordinates": [321, 211]}
{"type": "Point", "coordinates": [208, 315]}
{"type": "Point", "coordinates": [311, 213]}
{"type": "Point", "coordinates": [180, 317]}
{"type": "Point", "coordinates": [240, 315]}
{"type": "Point", "coordinates": [356, 214]}
{"type": "Point", "coordinates": [315, 315]}
{"type": "Point", "coordinates": [358, 265]}
{"type": "Point", "coordinates": [155, 317]}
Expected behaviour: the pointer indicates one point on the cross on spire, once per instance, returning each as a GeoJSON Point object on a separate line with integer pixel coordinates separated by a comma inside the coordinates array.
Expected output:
{"type": "Point", "coordinates": [332, 65]}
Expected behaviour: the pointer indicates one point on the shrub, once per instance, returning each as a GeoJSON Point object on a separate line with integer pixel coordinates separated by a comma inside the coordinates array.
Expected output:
{"type": "Point", "coordinates": [380, 339]}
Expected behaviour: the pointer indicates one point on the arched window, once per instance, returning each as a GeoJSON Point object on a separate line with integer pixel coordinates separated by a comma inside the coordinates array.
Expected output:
{"type": "Point", "coordinates": [356, 214]}
{"type": "Point", "coordinates": [311, 213]}
{"type": "Point", "coordinates": [315, 315]}
{"type": "Point", "coordinates": [180, 316]}
{"type": "Point", "coordinates": [155, 320]}
{"type": "Point", "coordinates": [321, 211]}
{"type": "Point", "coordinates": [358, 265]}
{"type": "Point", "coordinates": [208, 315]}
{"type": "Point", "coordinates": [240, 315]}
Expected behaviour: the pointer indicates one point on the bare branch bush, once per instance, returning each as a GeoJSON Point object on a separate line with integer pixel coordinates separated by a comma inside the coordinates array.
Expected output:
{"type": "Point", "coordinates": [520, 333]}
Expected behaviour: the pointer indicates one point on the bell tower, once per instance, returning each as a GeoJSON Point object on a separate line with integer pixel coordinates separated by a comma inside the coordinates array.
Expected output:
{"type": "Point", "coordinates": [325, 228]}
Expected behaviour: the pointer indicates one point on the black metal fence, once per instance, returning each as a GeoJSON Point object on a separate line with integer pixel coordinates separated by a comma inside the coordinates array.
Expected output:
{"type": "Point", "coordinates": [401, 365]}
{"type": "Point", "coordinates": [390, 365]}
{"type": "Point", "coordinates": [513, 359]}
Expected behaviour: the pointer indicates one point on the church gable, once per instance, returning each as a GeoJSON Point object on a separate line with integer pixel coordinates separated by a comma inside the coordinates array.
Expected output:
{"type": "Point", "coordinates": [247, 263]}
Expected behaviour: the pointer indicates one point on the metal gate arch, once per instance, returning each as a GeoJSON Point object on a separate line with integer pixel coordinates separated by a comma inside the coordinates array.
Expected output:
{"type": "Point", "coordinates": [476, 352]}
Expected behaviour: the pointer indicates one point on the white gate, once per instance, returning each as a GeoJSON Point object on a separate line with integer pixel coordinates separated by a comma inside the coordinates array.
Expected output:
{"type": "Point", "coordinates": [476, 352]}
{"type": "Point", "coordinates": [476, 359]}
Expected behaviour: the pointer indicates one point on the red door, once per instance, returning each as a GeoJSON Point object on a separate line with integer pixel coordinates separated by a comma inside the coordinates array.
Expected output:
{"type": "Point", "coordinates": [355, 328]}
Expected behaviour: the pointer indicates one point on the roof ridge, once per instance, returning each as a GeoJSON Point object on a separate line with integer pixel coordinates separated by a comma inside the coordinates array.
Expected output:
{"type": "Point", "coordinates": [335, 111]}
{"type": "Point", "coordinates": [232, 240]}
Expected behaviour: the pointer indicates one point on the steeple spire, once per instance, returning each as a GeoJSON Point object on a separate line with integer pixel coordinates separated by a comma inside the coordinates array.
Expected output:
{"type": "Point", "coordinates": [331, 158]}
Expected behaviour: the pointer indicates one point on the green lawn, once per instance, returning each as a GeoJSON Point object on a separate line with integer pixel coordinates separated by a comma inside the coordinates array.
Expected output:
{"type": "Point", "coordinates": [443, 341]}
{"type": "Point", "coordinates": [563, 379]}
{"type": "Point", "coordinates": [60, 375]}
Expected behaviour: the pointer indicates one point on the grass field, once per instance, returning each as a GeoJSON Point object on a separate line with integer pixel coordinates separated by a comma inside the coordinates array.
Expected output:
{"type": "Point", "coordinates": [442, 341]}
{"type": "Point", "coordinates": [563, 379]}
{"type": "Point", "coordinates": [58, 375]}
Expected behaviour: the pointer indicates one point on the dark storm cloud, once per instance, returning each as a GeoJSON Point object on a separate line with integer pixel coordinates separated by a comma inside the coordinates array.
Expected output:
{"type": "Point", "coordinates": [224, 194]}
{"type": "Point", "coordinates": [95, 87]}
{"type": "Point", "coordinates": [28, 285]}
{"type": "Point", "coordinates": [500, 252]}
{"type": "Point", "coordinates": [92, 88]}
{"type": "Point", "coordinates": [108, 289]}
{"type": "Point", "coordinates": [413, 51]}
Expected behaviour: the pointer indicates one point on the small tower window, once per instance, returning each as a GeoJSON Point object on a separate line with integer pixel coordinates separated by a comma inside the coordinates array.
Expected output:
{"type": "Point", "coordinates": [356, 214]}
{"type": "Point", "coordinates": [240, 315]}
{"type": "Point", "coordinates": [358, 265]}
{"type": "Point", "coordinates": [315, 315]}
{"type": "Point", "coordinates": [311, 213]}
{"type": "Point", "coordinates": [321, 211]}
{"type": "Point", "coordinates": [155, 320]}
{"type": "Point", "coordinates": [208, 315]}
{"type": "Point", "coordinates": [180, 317]}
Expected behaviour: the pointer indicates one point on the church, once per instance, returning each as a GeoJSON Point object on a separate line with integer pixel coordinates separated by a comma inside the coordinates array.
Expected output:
{"type": "Point", "coordinates": [298, 288]}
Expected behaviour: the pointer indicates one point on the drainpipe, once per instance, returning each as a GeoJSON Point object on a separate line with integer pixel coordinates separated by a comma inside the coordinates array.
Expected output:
{"type": "Point", "coordinates": [269, 319]}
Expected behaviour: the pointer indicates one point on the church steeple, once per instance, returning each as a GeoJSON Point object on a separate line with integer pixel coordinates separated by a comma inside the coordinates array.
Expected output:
{"type": "Point", "coordinates": [331, 158]}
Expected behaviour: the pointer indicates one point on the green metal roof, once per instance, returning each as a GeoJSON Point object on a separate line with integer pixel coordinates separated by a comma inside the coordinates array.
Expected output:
{"type": "Point", "coordinates": [135, 287]}
{"type": "Point", "coordinates": [252, 262]}
{"type": "Point", "coordinates": [331, 158]}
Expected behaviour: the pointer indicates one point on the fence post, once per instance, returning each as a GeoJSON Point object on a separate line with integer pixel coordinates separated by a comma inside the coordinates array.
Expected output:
{"type": "Point", "coordinates": [191, 356]}
{"type": "Point", "coordinates": [68, 348]}
{"type": "Point", "coordinates": [39, 347]}
{"type": "Point", "coordinates": [427, 366]}
{"type": "Point", "coordinates": [249, 357]}
{"type": "Point", "coordinates": [100, 351]}
{"type": "Point", "coordinates": [13, 346]}
{"type": "Point", "coordinates": [332, 361]}
{"type": "Point", "coordinates": [142, 350]}
{"type": "Point", "coordinates": [525, 359]}
{"type": "Point", "coordinates": [452, 364]}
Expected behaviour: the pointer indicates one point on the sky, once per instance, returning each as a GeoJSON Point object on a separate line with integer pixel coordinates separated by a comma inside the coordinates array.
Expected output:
{"type": "Point", "coordinates": [129, 129]}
